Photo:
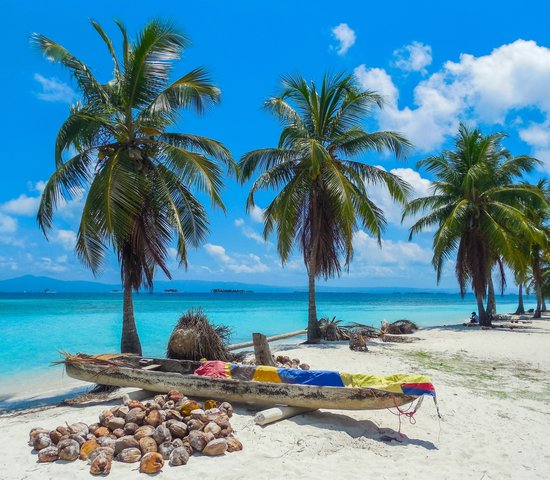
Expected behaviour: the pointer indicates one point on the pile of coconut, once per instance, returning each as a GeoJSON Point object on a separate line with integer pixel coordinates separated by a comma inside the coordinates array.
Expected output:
{"type": "Point", "coordinates": [170, 427]}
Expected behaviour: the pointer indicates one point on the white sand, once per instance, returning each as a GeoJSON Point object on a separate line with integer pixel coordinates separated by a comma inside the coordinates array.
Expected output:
{"type": "Point", "coordinates": [494, 395]}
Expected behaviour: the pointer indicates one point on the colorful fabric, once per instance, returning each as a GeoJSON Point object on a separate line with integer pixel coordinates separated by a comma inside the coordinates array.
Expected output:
{"type": "Point", "coordinates": [411, 385]}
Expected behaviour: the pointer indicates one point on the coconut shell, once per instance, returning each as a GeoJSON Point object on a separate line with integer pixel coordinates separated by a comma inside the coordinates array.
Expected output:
{"type": "Point", "coordinates": [197, 440]}
{"type": "Point", "coordinates": [151, 462]}
{"type": "Point", "coordinates": [215, 447]}
{"type": "Point", "coordinates": [88, 447]}
{"type": "Point", "coordinates": [144, 431]}
{"type": "Point", "coordinates": [210, 404]}
{"type": "Point", "coordinates": [107, 442]}
{"type": "Point", "coordinates": [129, 455]}
{"type": "Point", "coordinates": [101, 465]}
{"type": "Point", "coordinates": [165, 449]}
{"type": "Point", "coordinates": [179, 456]}
{"type": "Point", "coordinates": [115, 422]}
{"type": "Point", "coordinates": [147, 445]}
{"type": "Point", "coordinates": [41, 441]}
{"type": "Point", "coordinates": [227, 408]}
{"type": "Point", "coordinates": [79, 428]}
{"type": "Point", "coordinates": [69, 449]}
{"type": "Point", "coordinates": [102, 432]}
{"type": "Point", "coordinates": [194, 424]}
{"type": "Point", "coordinates": [48, 454]}
{"type": "Point", "coordinates": [162, 434]}
{"type": "Point", "coordinates": [93, 427]}
{"type": "Point", "coordinates": [136, 404]}
{"type": "Point", "coordinates": [153, 418]}
{"type": "Point", "coordinates": [105, 451]}
{"type": "Point", "coordinates": [135, 415]}
{"type": "Point", "coordinates": [177, 429]}
{"type": "Point", "coordinates": [105, 416]}
{"type": "Point", "coordinates": [119, 433]}
{"type": "Point", "coordinates": [174, 395]}
{"type": "Point", "coordinates": [173, 414]}
{"type": "Point", "coordinates": [188, 406]}
{"type": "Point", "coordinates": [125, 442]}
{"type": "Point", "coordinates": [212, 428]}
{"type": "Point", "coordinates": [34, 433]}
{"type": "Point", "coordinates": [55, 436]}
{"type": "Point", "coordinates": [177, 442]}
{"type": "Point", "coordinates": [78, 438]}
{"type": "Point", "coordinates": [160, 400]}
{"type": "Point", "coordinates": [122, 411]}
{"type": "Point", "coordinates": [130, 428]}
{"type": "Point", "coordinates": [233, 444]}
{"type": "Point", "coordinates": [171, 404]}
{"type": "Point", "coordinates": [152, 406]}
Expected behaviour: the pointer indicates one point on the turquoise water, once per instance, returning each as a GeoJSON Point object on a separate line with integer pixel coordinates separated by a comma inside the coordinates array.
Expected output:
{"type": "Point", "coordinates": [33, 327]}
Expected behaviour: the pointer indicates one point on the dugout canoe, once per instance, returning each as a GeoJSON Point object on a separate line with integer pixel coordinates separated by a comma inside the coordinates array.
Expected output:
{"type": "Point", "coordinates": [162, 375]}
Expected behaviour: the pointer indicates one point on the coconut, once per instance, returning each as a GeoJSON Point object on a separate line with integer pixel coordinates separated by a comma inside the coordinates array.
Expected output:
{"type": "Point", "coordinates": [179, 456]}
{"type": "Point", "coordinates": [215, 447]}
{"type": "Point", "coordinates": [48, 454]}
{"type": "Point", "coordinates": [101, 465]}
{"type": "Point", "coordinates": [69, 449]}
{"type": "Point", "coordinates": [151, 462]}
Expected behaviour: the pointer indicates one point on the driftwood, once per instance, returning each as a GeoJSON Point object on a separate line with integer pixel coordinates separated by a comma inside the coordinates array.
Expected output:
{"type": "Point", "coordinates": [275, 414]}
{"type": "Point", "coordinates": [397, 338]}
{"type": "Point", "coordinates": [262, 351]}
{"type": "Point", "coordinates": [238, 346]}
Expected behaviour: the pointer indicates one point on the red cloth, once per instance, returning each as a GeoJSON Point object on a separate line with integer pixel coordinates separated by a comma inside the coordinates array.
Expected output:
{"type": "Point", "coordinates": [212, 369]}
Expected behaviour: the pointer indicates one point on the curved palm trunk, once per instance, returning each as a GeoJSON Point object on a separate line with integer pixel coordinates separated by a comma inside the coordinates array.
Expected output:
{"type": "Point", "coordinates": [521, 309]}
{"type": "Point", "coordinates": [543, 304]}
{"type": "Point", "coordinates": [130, 340]}
{"type": "Point", "coordinates": [491, 299]}
{"type": "Point", "coordinates": [484, 319]}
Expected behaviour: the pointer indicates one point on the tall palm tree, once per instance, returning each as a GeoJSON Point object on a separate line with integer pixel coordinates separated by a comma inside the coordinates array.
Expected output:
{"type": "Point", "coordinates": [477, 208]}
{"type": "Point", "coordinates": [322, 194]}
{"type": "Point", "coordinates": [140, 179]}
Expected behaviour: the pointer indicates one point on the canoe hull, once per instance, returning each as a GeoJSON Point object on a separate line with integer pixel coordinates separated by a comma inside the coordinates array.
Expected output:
{"type": "Point", "coordinates": [237, 391]}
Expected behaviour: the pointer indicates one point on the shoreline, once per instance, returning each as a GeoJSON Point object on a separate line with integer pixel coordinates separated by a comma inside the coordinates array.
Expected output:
{"type": "Point", "coordinates": [41, 394]}
{"type": "Point", "coordinates": [493, 389]}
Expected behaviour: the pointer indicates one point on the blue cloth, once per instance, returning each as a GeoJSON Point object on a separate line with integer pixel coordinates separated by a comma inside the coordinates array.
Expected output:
{"type": "Point", "coordinates": [321, 378]}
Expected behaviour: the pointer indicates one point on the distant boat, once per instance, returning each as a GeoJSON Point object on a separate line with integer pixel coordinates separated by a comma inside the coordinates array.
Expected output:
{"type": "Point", "coordinates": [230, 290]}
{"type": "Point", "coordinates": [47, 290]}
{"type": "Point", "coordinates": [116, 291]}
{"type": "Point", "coordinates": [171, 290]}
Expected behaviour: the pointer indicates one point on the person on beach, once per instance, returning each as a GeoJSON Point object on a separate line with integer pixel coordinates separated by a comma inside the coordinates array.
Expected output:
{"type": "Point", "coordinates": [474, 318]}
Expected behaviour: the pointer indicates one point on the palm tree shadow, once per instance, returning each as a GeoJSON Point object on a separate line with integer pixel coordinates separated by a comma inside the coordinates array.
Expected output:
{"type": "Point", "coordinates": [358, 428]}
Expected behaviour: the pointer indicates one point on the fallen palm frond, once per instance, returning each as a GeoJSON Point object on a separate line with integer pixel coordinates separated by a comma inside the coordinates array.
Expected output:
{"type": "Point", "coordinates": [399, 327]}
{"type": "Point", "coordinates": [365, 330]}
{"type": "Point", "coordinates": [194, 338]}
{"type": "Point", "coordinates": [397, 338]}
{"type": "Point", "coordinates": [332, 330]}
{"type": "Point", "coordinates": [105, 359]}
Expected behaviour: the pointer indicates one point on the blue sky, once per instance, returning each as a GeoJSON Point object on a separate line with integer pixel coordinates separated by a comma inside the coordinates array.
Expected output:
{"type": "Point", "coordinates": [485, 63]}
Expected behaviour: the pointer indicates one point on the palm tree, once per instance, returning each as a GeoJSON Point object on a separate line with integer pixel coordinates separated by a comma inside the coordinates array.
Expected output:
{"type": "Point", "coordinates": [476, 207]}
{"type": "Point", "coordinates": [322, 194]}
{"type": "Point", "coordinates": [138, 176]}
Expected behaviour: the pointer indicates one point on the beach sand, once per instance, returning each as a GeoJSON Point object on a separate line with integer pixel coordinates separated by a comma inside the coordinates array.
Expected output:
{"type": "Point", "coordinates": [494, 395]}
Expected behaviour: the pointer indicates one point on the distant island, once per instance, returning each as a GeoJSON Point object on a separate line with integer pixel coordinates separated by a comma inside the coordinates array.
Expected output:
{"type": "Point", "coordinates": [230, 290]}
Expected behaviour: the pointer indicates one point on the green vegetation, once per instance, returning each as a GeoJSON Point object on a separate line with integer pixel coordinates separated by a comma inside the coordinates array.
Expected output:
{"type": "Point", "coordinates": [526, 382]}
{"type": "Point", "coordinates": [478, 208]}
{"type": "Point", "coordinates": [322, 194]}
{"type": "Point", "coordinates": [138, 178]}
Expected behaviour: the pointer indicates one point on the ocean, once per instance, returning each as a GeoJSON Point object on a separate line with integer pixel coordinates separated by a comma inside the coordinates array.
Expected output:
{"type": "Point", "coordinates": [34, 327]}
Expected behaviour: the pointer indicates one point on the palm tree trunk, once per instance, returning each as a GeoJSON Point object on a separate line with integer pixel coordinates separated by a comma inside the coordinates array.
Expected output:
{"type": "Point", "coordinates": [130, 340]}
{"type": "Point", "coordinates": [537, 278]}
{"type": "Point", "coordinates": [313, 330]}
{"type": "Point", "coordinates": [521, 309]}
{"type": "Point", "coordinates": [543, 306]}
{"type": "Point", "coordinates": [484, 319]}
{"type": "Point", "coordinates": [491, 300]}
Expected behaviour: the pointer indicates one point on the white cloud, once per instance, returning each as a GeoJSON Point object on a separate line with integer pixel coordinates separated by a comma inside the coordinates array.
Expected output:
{"type": "Point", "coordinates": [237, 263]}
{"type": "Point", "coordinates": [22, 205]}
{"type": "Point", "coordinates": [345, 37]}
{"type": "Point", "coordinates": [66, 238]}
{"type": "Point", "coordinates": [7, 263]}
{"type": "Point", "coordinates": [239, 222]}
{"type": "Point", "coordinates": [394, 259]}
{"type": "Point", "coordinates": [54, 90]}
{"type": "Point", "coordinates": [49, 265]}
{"type": "Point", "coordinates": [257, 214]}
{"type": "Point", "coordinates": [414, 57]}
{"type": "Point", "coordinates": [487, 89]}
{"type": "Point", "coordinates": [393, 210]}
{"type": "Point", "coordinates": [536, 134]}
{"type": "Point", "coordinates": [7, 224]}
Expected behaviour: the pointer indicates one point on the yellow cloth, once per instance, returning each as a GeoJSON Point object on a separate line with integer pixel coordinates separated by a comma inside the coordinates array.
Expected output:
{"type": "Point", "coordinates": [266, 374]}
{"type": "Point", "coordinates": [391, 383]}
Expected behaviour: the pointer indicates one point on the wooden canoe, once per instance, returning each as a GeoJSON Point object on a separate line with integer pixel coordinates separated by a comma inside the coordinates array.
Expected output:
{"type": "Point", "coordinates": [163, 375]}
